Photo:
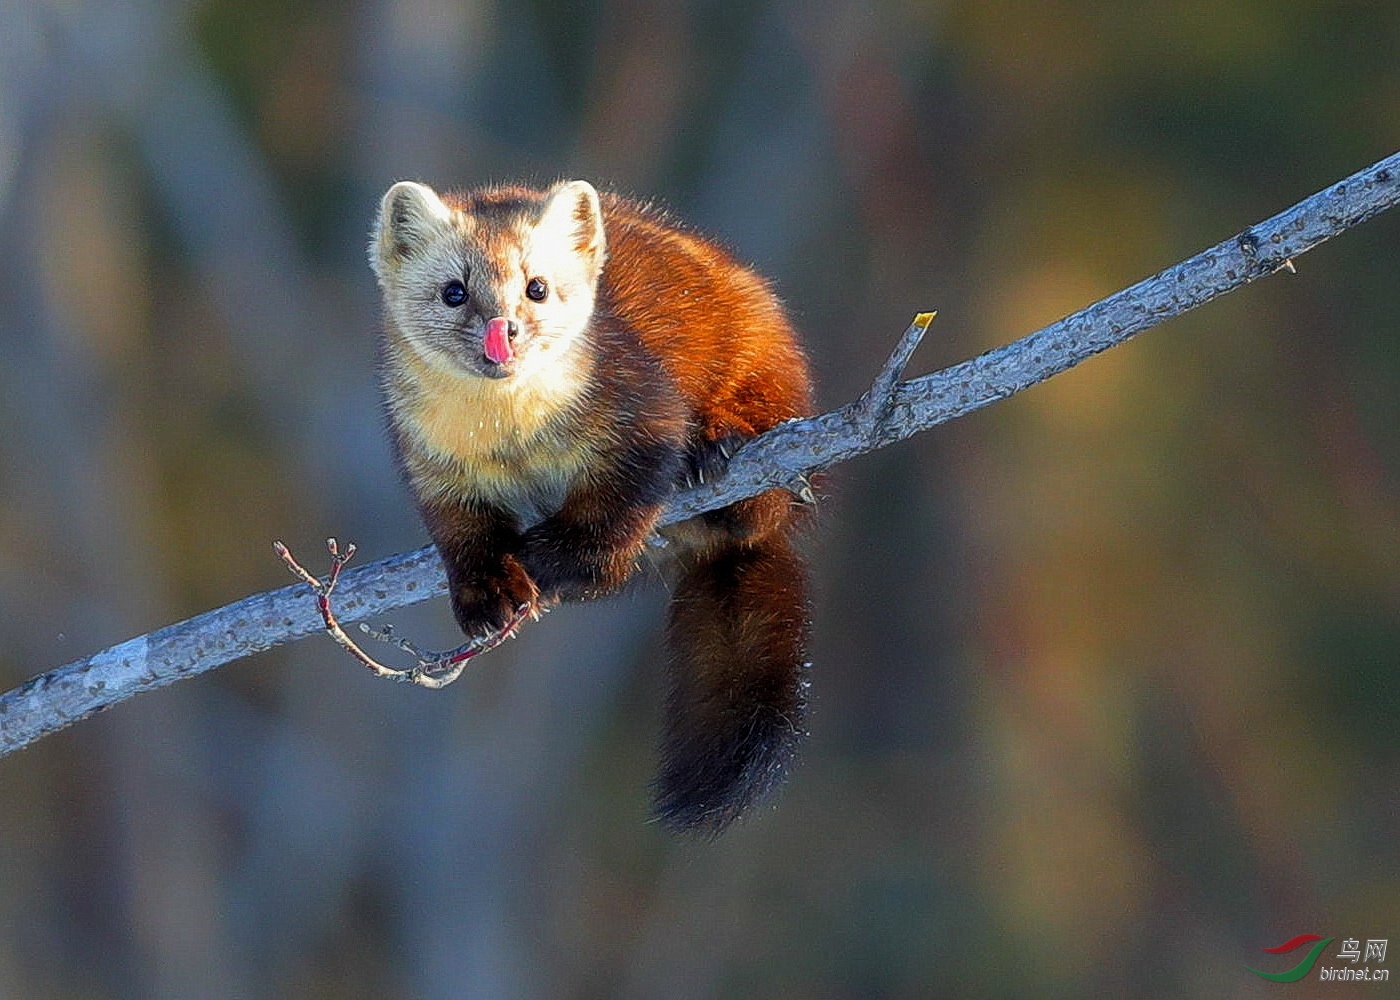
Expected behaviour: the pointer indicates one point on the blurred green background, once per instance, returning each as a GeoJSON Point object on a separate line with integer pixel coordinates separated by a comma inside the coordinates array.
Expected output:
{"type": "Point", "coordinates": [1106, 686]}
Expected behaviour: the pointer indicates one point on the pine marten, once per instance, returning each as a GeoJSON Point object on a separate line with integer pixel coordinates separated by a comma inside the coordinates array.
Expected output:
{"type": "Point", "coordinates": [554, 364]}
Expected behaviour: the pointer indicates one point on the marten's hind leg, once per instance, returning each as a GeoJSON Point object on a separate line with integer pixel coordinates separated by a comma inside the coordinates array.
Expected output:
{"type": "Point", "coordinates": [746, 520]}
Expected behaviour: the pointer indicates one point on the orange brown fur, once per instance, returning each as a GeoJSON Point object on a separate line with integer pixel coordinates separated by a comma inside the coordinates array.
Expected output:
{"type": "Point", "coordinates": [541, 477]}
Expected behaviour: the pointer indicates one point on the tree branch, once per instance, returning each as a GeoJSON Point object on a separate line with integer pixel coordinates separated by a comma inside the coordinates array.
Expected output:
{"type": "Point", "coordinates": [783, 457]}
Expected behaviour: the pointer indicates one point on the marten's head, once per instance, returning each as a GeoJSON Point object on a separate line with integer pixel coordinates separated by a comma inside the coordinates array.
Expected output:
{"type": "Point", "coordinates": [496, 283]}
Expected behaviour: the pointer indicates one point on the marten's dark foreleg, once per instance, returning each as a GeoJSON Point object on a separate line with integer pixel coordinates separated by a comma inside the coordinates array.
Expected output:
{"type": "Point", "coordinates": [480, 549]}
{"type": "Point", "coordinates": [591, 545]}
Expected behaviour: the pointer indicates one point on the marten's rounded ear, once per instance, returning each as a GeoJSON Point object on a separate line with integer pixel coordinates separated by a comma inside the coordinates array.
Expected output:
{"type": "Point", "coordinates": [573, 217]}
{"type": "Point", "coordinates": [408, 214]}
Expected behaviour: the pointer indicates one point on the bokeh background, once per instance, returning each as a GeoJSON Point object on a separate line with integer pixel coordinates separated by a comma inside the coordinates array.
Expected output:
{"type": "Point", "coordinates": [1107, 683]}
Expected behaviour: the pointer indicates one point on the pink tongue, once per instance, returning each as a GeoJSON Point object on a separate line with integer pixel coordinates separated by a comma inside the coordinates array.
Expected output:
{"type": "Point", "coordinates": [497, 344]}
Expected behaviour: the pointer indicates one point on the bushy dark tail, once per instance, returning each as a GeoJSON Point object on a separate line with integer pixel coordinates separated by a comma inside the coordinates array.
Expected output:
{"type": "Point", "coordinates": [734, 716]}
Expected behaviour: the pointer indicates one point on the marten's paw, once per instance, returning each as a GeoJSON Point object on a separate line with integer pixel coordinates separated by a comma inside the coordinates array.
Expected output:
{"type": "Point", "coordinates": [707, 459]}
{"type": "Point", "coordinates": [485, 604]}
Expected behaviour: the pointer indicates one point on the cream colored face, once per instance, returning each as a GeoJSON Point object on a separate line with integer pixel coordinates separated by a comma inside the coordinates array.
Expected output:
{"type": "Point", "coordinates": [446, 272]}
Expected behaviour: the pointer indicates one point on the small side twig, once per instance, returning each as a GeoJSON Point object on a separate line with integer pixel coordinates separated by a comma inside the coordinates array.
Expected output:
{"type": "Point", "coordinates": [432, 670]}
{"type": "Point", "coordinates": [873, 408]}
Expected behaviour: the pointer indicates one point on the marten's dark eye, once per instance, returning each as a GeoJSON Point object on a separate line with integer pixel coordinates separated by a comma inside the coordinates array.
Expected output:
{"type": "Point", "coordinates": [537, 290]}
{"type": "Point", "coordinates": [454, 293]}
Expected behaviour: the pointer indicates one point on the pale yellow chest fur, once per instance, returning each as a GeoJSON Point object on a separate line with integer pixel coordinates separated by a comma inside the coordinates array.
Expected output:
{"type": "Point", "coordinates": [508, 441]}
